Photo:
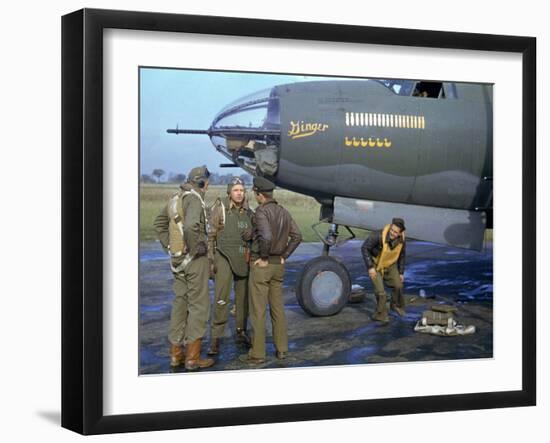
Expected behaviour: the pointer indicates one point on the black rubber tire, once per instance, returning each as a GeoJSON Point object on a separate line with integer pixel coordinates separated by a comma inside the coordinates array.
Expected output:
{"type": "Point", "coordinates": [304, 287]}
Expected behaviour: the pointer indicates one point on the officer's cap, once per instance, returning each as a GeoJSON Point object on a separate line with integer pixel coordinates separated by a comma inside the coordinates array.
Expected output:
{"type": "Point", "coordinates": [198, 173]}
{"type": "Point", "coordinates": [262, 185]}
{"type": "Point", "coordinates": [399, 222]}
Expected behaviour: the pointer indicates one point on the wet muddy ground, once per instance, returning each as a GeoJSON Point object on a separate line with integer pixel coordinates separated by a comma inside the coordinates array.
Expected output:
{"type": "Point", "coordinates": [451, 276]}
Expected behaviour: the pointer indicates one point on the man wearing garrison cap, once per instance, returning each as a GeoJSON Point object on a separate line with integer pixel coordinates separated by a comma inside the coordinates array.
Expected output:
{"type": "Point", "coordinates": [275, 236]}
{"type": "Point", "coordinates": [384, 255]}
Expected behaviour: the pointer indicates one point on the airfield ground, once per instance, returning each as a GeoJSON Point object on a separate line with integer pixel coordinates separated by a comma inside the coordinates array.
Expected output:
{"type": "Point", "coordinates": [451, 276]}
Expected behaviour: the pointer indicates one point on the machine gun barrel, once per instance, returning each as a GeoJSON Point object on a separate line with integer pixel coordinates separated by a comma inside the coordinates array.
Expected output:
{"type": "Point", "coordinates": [235, 131]}
{"type": "Point", "coordinates": [187, 131]}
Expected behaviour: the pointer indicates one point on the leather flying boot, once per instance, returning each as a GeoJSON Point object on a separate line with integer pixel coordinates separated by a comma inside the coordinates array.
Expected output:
{"type": "Point", "coordinates": [214, 348]}
{"type": "Point", "coordinates": [242, 338]}
{"type": "Point", "coordinates": [398, 302]}
{"type": "Point", "coordinates": [177, 356]}
{"type": "Point", "coordinates": [381, 313]}
{"type": "Point", "coordinates": [193, 360]}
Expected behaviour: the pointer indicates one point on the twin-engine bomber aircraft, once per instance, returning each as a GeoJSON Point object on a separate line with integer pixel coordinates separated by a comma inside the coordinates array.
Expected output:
{"type": "Point", "coordinates": [367, 151]}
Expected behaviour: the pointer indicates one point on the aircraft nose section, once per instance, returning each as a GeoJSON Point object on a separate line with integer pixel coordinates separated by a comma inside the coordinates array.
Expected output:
{"type": "Point", "coordinates": [248, 132]}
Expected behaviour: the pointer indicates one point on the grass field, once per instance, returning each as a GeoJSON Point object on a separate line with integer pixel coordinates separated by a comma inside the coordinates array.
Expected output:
{"type": "Point", "coordinates": [305, 210]}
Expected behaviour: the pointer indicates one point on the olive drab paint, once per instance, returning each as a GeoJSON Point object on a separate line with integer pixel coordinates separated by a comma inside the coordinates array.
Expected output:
{"type": "Point", "coordinates": [413, 143]}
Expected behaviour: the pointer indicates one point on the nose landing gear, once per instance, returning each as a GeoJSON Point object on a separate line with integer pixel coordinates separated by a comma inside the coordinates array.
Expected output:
{"type": "Point", "coordinates": [324, 286]}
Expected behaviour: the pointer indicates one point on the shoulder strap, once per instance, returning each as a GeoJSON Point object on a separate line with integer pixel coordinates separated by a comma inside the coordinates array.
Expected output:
{"type": "Point", "coordinates": [175, 207]}
{"type": "Point", "coordinates": [196, 194]}
{"type": "Point", "coordinates": [175, 211]}
{"type": "Point", "coordinates": [218, 205]}
{"type": "Point", "coordinates": [223, 211]}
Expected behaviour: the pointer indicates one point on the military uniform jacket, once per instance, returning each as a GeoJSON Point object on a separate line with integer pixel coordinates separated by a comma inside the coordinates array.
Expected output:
{"type": "Point", "coordinates": [225, 232]}
{"type": "Point", "coordinates": [275, 232]}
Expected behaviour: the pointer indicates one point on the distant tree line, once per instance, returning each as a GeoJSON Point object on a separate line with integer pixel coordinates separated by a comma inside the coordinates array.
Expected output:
{"type": "Point", "coordinates": [215, 178]}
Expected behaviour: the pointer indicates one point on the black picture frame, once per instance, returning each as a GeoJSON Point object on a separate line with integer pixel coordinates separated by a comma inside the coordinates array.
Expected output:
{"type": "Point", "coordinates": [82, 218]}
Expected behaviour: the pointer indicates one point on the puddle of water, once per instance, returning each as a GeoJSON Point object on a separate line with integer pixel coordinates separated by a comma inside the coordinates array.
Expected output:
{"type": "Point", "coordinates": [153, 308]}
{"type": "Point", "coordinates": [358, 332]}
{"type": "Point", "coordinates": [146, 256]}
{"type": "Point", "coordinates": [360, 355]}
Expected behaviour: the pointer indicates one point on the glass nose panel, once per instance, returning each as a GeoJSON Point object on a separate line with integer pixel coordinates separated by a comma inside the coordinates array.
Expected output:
{"type": "Point", "coordinates": [250, 117]}
{"type": "Point", "coordinates": [247, 112]}
{"type": "Point", "coordinates": [247, 131]}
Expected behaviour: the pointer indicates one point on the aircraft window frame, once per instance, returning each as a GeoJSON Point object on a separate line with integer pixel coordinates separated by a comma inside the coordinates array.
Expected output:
{"type": "Point", "coordinates": [273, 115]}
{"type": "Point", "coordinates": [450, 90]}
{"type": "Point", "coordinates": [241, 107]}
{"type": "Point", "coordinates": [262, 93]}
{"type": "Point", "coordinates": [406, 86]}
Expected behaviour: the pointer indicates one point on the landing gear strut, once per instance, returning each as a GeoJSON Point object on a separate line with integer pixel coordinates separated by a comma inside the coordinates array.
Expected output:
{"type": "Point", "coordinates": [324, 286]}
{"type": "Point", "coordinates": [330, 239]}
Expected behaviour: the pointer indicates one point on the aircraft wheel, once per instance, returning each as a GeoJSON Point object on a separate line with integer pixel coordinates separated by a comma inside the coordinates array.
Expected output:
{"type": "Point", "coordinates": [323, 287]}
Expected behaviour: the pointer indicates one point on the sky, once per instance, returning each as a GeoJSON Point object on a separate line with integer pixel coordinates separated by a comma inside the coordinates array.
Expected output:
{"type": "Point", "coordinates": [187, 99]}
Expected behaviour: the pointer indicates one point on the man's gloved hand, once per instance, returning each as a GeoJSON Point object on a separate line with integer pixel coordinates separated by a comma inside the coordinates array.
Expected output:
{"type": "Point", "coordinates": [201, 249]}
{"type": "Point", "coordinates": [247, 234]}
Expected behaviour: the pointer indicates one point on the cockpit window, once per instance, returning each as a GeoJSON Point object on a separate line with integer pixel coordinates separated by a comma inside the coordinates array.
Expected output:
{"type": "Point", "coordinates": [399, 87]}
{"type": "Point", "coordinates": [429, 90]}
{"type": "Point", "coordinates": [414, 88]}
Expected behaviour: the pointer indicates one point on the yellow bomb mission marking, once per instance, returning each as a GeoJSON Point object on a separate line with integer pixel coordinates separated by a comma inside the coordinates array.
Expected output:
{"type": "Point", "coordinates": [369, 142]}
{"type": "Point", "coordinates": [301, 129]}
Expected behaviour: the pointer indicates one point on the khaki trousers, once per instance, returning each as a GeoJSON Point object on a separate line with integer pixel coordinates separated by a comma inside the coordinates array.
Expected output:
{"type": "Point", "coordinates": [391, 278]}
{"type": "Point", "coordinates": [191, 305]}
{"type": "Point", "coordinates": [266, 287]}
{"type": "Point", "coordinates": [224, 280]}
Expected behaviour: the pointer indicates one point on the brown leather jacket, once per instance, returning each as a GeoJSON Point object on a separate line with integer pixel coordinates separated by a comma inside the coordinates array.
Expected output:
{"type": "Point", "coordinates": [275, 232]}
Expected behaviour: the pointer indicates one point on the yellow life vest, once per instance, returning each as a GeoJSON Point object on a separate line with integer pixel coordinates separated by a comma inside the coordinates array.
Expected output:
{"type": "Point", "coordinates": [388, 256]}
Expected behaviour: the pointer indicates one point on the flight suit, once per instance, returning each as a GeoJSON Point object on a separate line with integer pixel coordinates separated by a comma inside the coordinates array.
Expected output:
{"type": "Point", "coordinates": [191, 304]}
{"type": "Point", "coordinates": [229, 253]}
